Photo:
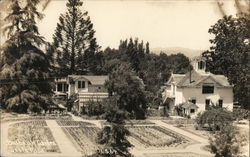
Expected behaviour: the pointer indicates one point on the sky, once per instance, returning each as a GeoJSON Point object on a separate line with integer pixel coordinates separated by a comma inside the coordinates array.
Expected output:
{"type": "Point", "coordinates": [163, 23]}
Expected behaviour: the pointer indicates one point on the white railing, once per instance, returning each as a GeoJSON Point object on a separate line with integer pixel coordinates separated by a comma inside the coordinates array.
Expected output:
{"type": "Point", "coordinates": [91, 96]}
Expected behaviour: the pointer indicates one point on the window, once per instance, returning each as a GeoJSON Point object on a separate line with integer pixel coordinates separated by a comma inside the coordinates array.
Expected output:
{"type": "Point", "coordinates": [173, 89]}
{"type": "Point", "coordinates": [220, 103]}
{"type": "Point", "coordinates": [193, 101]}
{"type": "Point", "coordinates": [207, 103]}
{"type": "Point", "coordinates": [201, 65]}
{"type": "Point", "coordinates": [59, 87]}
{"type": "Point", "coordinates": [81, 84]}
{"type": "Point", "coordinates": [207, 89]}
{"type": "Point", "coordinates": [66, 87]}
{"type": "Point", "coordinates": [62, 87]}
{"type": "Point", "coordinates": [192, 110]}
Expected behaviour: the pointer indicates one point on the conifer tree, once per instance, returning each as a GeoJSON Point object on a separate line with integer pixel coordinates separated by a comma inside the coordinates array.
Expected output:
{"type": "Point", "coordinates": [74, 46]}
{"type": "Point", "coordinates": [24, 71]}
{"type": "Point", "coordinates": [147, 48]}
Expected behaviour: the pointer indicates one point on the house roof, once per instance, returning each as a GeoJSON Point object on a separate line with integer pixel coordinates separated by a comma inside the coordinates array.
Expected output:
{"type": "Point", "coordinates": [176, 78]}
{"type": "Point", "coordinates": [189, 105]}
{"type": "Point", "coordinates": [94, 80]}
{"type": "Point", "coordinates": [197, 78]}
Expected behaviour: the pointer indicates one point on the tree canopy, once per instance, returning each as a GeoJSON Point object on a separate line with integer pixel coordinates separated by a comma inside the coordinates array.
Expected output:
{"type": "Point", "coordinates": [153, 69]}
{"type": "Point", "coordinates": [128, 90]}
{"type": "Point", "coordinates": [25, 84]}
{"type": "Point", "coordinates": [74, 49]}
{"type": "Point", "coordinates": [229, 54]}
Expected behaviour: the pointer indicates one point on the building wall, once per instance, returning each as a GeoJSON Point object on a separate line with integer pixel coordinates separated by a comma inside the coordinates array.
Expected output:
{"type": "Point", "coordinates": [184, 94]}
{"type": "Point", "coordinates": [78, 90]}
{"type": "Point", "coordinates": [96, 88]}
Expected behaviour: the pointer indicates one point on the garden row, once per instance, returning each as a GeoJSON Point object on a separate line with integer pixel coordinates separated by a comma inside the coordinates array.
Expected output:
{"type": "Point", "coordinates": [48, 117]}
{"type": "Point", "coordinates": [38, 123]}
{"type": "Point", "coordinates": [73, 123]}
{"type": "Point", "coordinates": [84, 138]}
{"type": "Point", "coordinates": [134, 122]}
{"type": "Point", "coordinates": [155, 136]}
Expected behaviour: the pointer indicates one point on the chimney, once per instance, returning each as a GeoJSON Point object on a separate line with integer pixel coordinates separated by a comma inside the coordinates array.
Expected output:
{"type": "Point", "coordinates": [190, 74]}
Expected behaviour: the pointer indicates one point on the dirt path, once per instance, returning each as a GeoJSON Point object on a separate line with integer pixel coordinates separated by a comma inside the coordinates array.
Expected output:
{"type": "Point", "coordinates": [66, 146]}
{"type": "Point", "coordinates": [69, 150]}
{"type": "Point", "coordinates": [191, 150]}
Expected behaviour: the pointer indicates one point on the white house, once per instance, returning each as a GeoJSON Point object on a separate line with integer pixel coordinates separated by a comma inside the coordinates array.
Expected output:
{"type": "Point", "coordinates": [197, 89]}
{"type": "Point", "coordinates": [85, 87]}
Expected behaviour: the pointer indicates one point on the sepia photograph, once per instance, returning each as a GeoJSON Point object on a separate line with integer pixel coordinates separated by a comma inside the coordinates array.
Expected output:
{"type": "Point", "coordinates": [124, 78]}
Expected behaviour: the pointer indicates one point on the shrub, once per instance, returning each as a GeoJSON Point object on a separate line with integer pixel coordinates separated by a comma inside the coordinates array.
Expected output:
{"type": "Point", "coordinates": [214, 119]}
{"type": "Point", "coordinates": [239, 114]}
{"type": "Point", "coordinates": [227, 142]}
{"type": "Point", "coordinates": [70, 102]}
{"type": "Point", "coordinates": [94, 108]}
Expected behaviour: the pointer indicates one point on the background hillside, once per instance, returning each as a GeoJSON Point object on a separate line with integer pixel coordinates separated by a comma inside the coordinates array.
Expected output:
{"type": "Point", "coordinates": [174, 50]}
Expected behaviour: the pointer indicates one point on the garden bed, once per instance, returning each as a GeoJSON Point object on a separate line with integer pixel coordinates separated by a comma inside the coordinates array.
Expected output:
{"type": "Point", "coordinates": [84, 138]}
{"type": "Point", "coordinates": [28, 117]}
{"type": "Point", "coordinates": [73, 123]}
{"type": "Point", "coordinates": [176, 154]}
{"type": "Point", "coordinates": [31, 137]}
{"type": "Point", "coordinates": [133, 122]}
{"type": "Point", "coordinates": [155, 136]}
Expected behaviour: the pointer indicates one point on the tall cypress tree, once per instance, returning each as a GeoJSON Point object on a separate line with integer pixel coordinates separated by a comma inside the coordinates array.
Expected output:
{"type": "Point", "coordinates": [74, 45]}
{"type": "Point", "coordinates": [24, 71]}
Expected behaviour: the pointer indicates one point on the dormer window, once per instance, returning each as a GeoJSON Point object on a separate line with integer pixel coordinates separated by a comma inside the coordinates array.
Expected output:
{"type": "Point", "coordinates": [201, 65]}
{"type": "Point", "coordinates": [81, 84]}
{"type": "Point", "coordinates": [207, 89]}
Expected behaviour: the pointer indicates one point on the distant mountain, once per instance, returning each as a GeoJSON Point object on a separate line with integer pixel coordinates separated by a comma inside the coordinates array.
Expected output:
{"type": "Point", "coordinates": [174, 50]}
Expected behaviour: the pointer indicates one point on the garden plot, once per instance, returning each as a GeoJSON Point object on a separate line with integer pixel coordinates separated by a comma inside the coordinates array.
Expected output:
{"type": "Point", "coordinates": [84, 138]}
{"type": "Point", "coordinates": [176, 154]}
{"type": "Point", "coordinates": [73, 123]}
{"type": "Point", "coordinates": [132, 122]}
{"type": "Point", "coordinates": [31, 137]}
{"type": "Point", "coordinates": [155, 137]}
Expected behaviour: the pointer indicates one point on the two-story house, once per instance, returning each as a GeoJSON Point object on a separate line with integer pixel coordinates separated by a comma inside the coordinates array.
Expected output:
{"type": "Point", "coordinates": [196, 90]}
{"type": "Point", "coordinates": [85, 87]}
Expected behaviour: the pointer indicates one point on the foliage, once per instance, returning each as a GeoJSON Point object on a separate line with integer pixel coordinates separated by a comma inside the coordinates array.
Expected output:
{"type": "Point", "coordinates": [214, 118]}
{"type": "Point", "coordinates": [115, 136]}
{"type": "Point", "coordinates": [227, 142]}
{"type": "Point", "coordinates": [229, 54]}
{"type": "Point", "coordinates": [240, 114]}
{"type": "Point", "coordinates": [179, 110]}
{"type": "Point", "coordinates": [74, 49]}
{"type": "Point", "coordinates": [70, 102]}
{"type": "Point", "coordinates": [153, 69]}
{"type": "Point", "coordinates": [129, 91]}
{"type": "Point", "coordinates": [94, 108]}
{"type": "Point", "coordinates": [24, 69]}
